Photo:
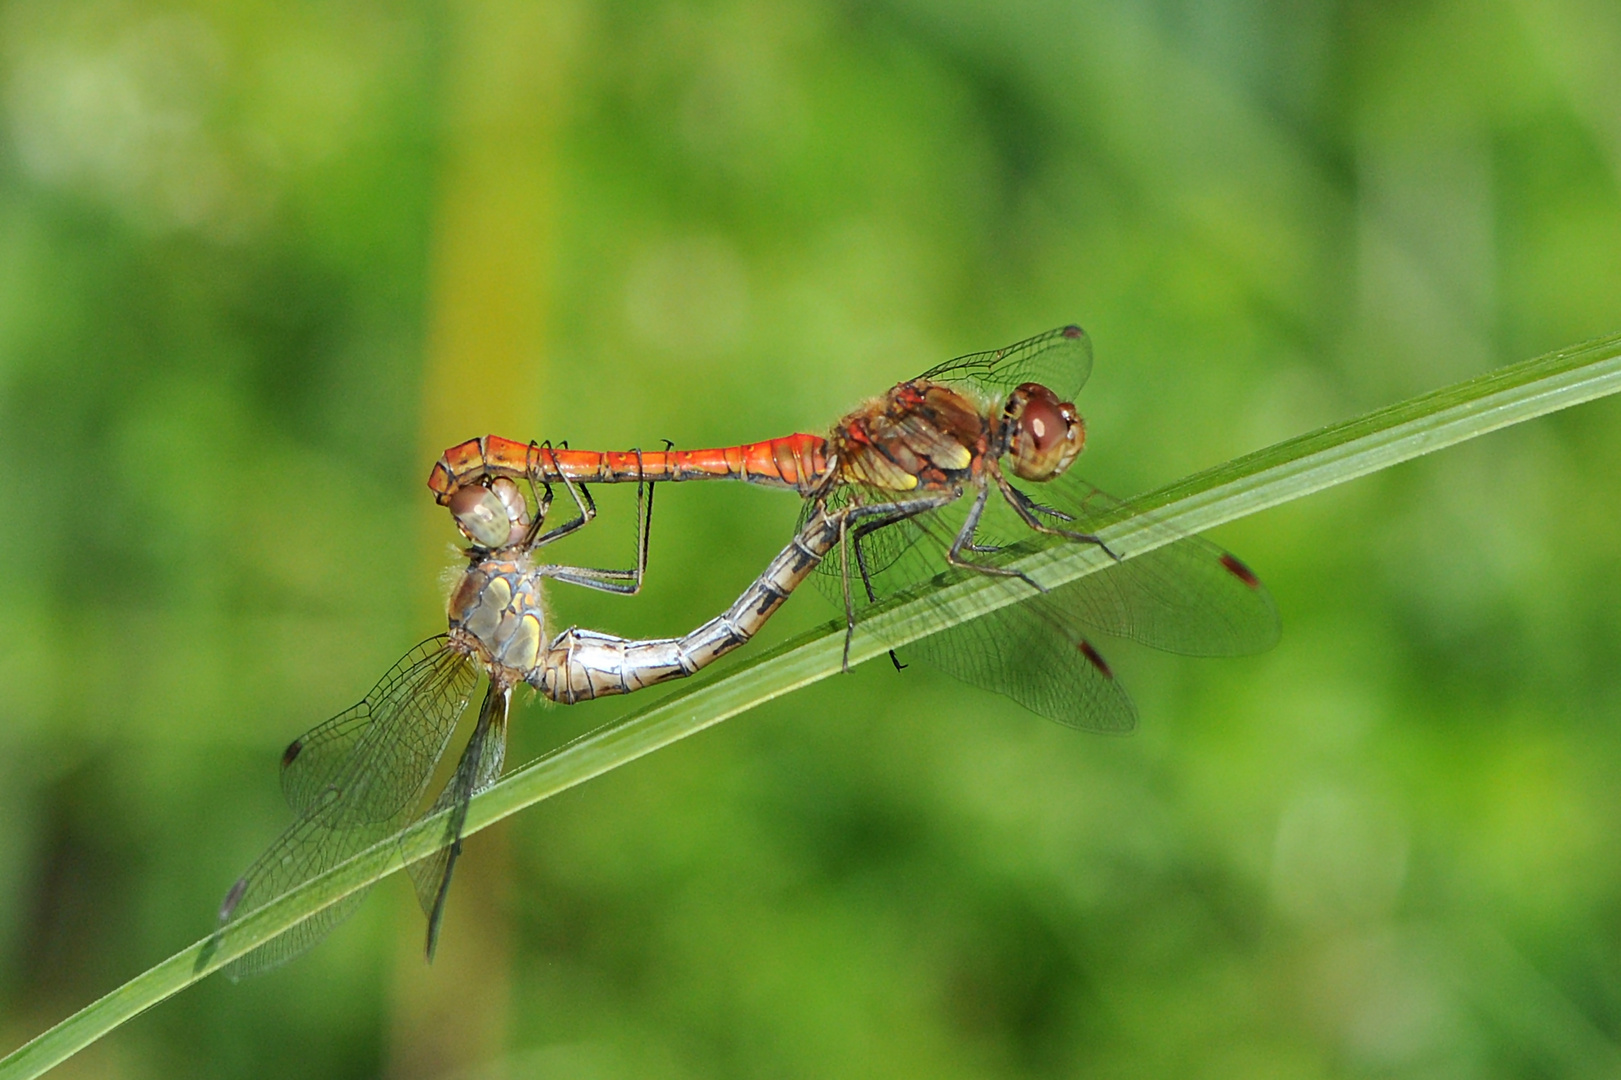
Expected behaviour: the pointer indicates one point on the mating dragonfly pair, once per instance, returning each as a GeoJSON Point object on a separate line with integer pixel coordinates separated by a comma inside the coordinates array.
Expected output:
{"type": "Point", "coordinates": [906, 493]}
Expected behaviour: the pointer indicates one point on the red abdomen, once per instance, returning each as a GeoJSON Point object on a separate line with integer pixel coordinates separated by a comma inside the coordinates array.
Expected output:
{"type": "Point", "coordinates": [794, 461]}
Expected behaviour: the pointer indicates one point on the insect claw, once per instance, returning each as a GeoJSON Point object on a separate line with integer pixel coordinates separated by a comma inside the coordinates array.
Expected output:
{"type": "Point", "coordinates": [1090, 538]}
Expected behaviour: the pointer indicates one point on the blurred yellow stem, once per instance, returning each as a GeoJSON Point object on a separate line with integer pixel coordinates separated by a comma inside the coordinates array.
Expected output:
{"type": "Point", "coordinates": [493, 240]}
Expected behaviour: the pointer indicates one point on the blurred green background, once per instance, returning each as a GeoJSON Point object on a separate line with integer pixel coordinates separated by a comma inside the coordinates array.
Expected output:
{"type": "Point", "coordinates": [260, 262]}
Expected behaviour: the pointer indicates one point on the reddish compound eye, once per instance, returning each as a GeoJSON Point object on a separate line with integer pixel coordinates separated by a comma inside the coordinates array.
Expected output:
{"type": "Point", "coordinates": [1043, 424]}
{"type": "Point", "coordinates": [1046, 435]}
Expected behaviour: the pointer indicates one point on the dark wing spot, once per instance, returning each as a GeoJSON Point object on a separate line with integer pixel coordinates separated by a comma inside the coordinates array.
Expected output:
{"type": "Point", "coordinates": [1094, 657]}
{"type": "Point", "coordinates": [1240, 571]}
{"type": "Point", "coordinates": [233, 898]}
{"type": "Point", "coordinates": [1072, 331]}
{"type": "Point", "coordinates": [289, 755]}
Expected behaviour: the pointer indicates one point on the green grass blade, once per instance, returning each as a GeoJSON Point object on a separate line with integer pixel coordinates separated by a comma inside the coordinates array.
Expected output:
{"type": "Point", "coordinates": [1244, 486]}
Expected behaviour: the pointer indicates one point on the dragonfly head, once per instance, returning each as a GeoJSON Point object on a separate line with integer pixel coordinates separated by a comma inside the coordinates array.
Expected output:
{"type": "Point", "coordinates": [490, 516]}
{"type": "Point", "coordinates": [1045, 434]}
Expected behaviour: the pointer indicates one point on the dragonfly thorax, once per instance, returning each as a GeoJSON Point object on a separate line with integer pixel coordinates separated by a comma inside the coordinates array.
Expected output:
{"type": "Point", "coordinates": [497, 614]}
{"type": "Point", "coordinates": [922, 435]}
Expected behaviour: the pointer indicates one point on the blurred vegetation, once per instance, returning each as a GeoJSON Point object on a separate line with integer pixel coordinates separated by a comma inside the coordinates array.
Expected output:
{"type": "Point", "coordinates": [260, 263]}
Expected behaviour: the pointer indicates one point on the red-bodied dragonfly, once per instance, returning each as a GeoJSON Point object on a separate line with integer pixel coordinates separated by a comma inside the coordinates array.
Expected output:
{"type": "Point", "coordinates": [361, 777]}
{"type": "Point", "coordinates": [935, 448]}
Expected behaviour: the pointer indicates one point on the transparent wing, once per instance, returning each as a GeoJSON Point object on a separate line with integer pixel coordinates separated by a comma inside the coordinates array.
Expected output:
{"type": "Point", "coordinates": [479, 767]}
{"type": "Point", "coordinates": [1060, 359]}
{"type": "Point", "coordinates": [354, 781]}
{"type": "Point", "coordinates": [1188, 597]}
{"type": "Point", "coordinates": [395, 726]}
{"type": "Point", "coordinates": [881, 549]}
{"type": "Point", "coordinates": [1034, 652]}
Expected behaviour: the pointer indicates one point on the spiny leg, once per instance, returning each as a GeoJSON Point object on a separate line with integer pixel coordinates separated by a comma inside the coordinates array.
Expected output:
{"type": "Point", "coordinates": [582, 501]}
{"type": "Point", "coordinates": [1027, 508]}
{"type": "Point", "coordinates": [866, 577]}
{"type": "Point", "coordinates": [844, 581]}
{"type": "Point", "coordinates": [541, 489]}
{"type": "Point", "coordinates": [621, 582]}
{"type": "Point", "coordinates": [543, 503]}
{"type": "Point", "coordinates": [965, 538]}
{"type": "Point", "coordinates": [885, 514]}
{"type": "Point", "coordinates": [644, 517]}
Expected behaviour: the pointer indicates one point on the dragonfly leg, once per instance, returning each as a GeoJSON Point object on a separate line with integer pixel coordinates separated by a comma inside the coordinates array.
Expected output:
{"type": "Point", "coordinates": [644, 514]}
{"type": "Point", "coordinates": [844, 580]}
{"type": "Point", "coordinates": [1027, 508]}
{"type": "Point", "coordinates": [622, 582]}
{"type": "Point", "coordinates": [542, 493]}
{"type": "Point", "coordinates": [965, 540]}
{"type": "Point", "coordinates": [866, 576]}
{"type": "Point", "coordinates": [883, 514]}
{"type": "Point", "coordinates": [888, 513]}
{"type": "Point", "coordinates": [582, 500]}
{"type": "Point", "coordinates": [1050, 511]}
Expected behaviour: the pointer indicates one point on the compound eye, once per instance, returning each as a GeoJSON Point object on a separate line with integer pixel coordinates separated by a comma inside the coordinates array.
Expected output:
{"type": "Point", "coordinates": [481, 515]}
{"type": "Point", "coordinates": [511, 497]}
{"type": "Point", "coordinates": [1044, 424]}
{"type": "Point", "coordinates": [1047, 433]}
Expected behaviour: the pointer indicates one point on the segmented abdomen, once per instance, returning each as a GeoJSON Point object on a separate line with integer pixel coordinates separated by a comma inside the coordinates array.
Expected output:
{"type": "Point", "coordinates": [794, 461]}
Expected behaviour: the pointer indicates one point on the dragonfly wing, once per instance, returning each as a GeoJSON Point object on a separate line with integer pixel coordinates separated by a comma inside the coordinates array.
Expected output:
{"type": "Point", "coordinates": [361, 785]}
{"type": "Point", "coordinates": [1187, 597]}
{"type": "Point", "coordinates": [884, 551]}
{"type": "Point", "coordinates": [1030, 653]}
{"type": "Point", "coordinates": [479, 767]}
{"type": "Point", "coordinates": [394, 725]}
{"type": "Point", "coordinates": [1060, 359]}
{"type": "Point", "coordinates": [306, 849]}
